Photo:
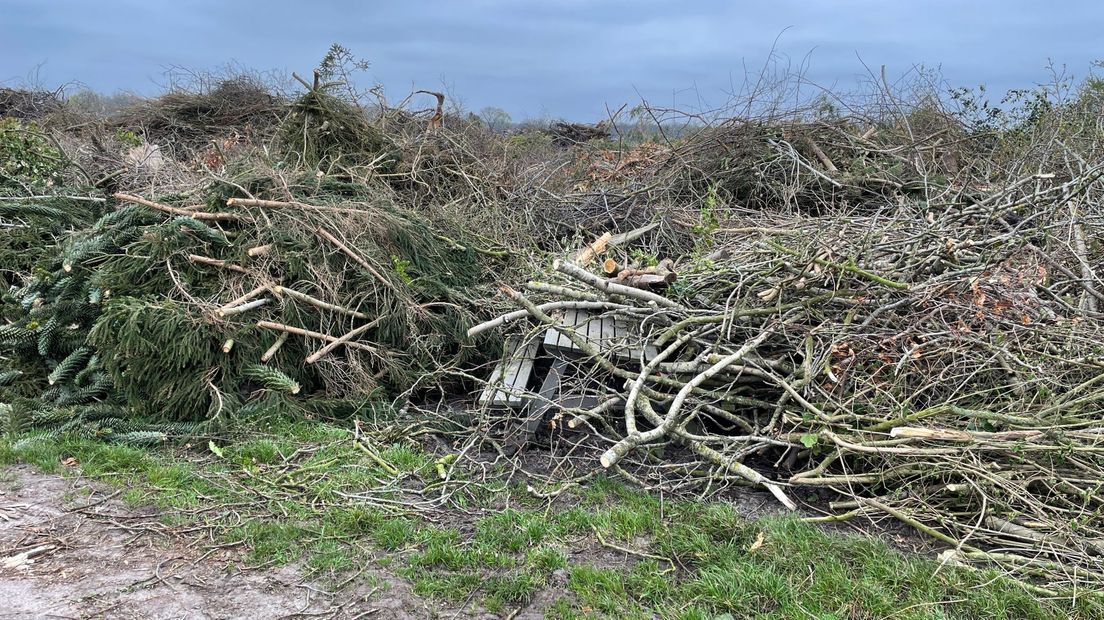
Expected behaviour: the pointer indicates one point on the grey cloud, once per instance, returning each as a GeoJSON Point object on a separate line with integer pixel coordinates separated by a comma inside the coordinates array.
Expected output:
{"type": "Point", "coordinates": [565, 58]}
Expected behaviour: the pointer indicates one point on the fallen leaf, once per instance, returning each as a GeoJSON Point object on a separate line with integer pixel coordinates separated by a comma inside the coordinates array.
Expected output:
{"type": "Point", "coordinates": [757, 544]}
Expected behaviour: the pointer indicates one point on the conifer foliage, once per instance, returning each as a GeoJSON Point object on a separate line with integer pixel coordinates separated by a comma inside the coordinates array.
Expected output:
{"type": "Point", "coordinates": [125, 316]}
{"type": "Point", "coordinates": [141, 313]}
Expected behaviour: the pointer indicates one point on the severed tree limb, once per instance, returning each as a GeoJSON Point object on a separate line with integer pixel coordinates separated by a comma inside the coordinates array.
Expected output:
{"type": "Point", "coordinates": [325, 234]}
{"type": "Point", "coordinates": [824, 160]}
{"type": "Point", "coordinates": [562, 291]}
{"type": "Point", "coordinates": [636, 438]}
{"type": "Point", "coordinates": [613, 288]}
{"type": "Point", "coordinates": [593, 249]}
{"type": "Point", "coordinates": [299, 331]}
{"type": "Point", "coordinates": [231, 310]}
{"type": "Point", "coordinates": [280, 340]}
{"type": "Point", "coordinates": [1088, 303]}
{"type": "Point", "coordinates": [638, 384]}
{"type": "Point", "coordinates": [554, 305]}
{"type": "Point", "coordinates": [598, 410]}
{"type": "Point", "coordinates": [721, 460]}
{"type": "Point", "coordinates": [744, 472]}
{"type": "Point", "coordinates": [949, 434]}
{"type": "Point", "coordinates": [438, 114]}
{"type": "Point", "coordinates": [631, 235]}
{"type": "Point", "coordinates": [199, 215]}
{"type": "Point", "coordinates": [314, 301]}
{"type": "Point", "coordinates": [592, 351]}
{"type": "Point", "coordinates": [333, 344]}
{"type": "Point", "coordinates": [260, 250]}
{"type": "Point", "coordinates": [277, 204]}
{"type": "Point", "coordinates": [214, 262]}
{"type": "Point", "coordinates": [632, 440]}
{"type": "Point", "coordinates": [250, 295]}
{"type": "Point", "coordinates": [49, 197]}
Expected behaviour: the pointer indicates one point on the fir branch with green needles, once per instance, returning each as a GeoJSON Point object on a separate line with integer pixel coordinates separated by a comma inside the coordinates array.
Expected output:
{"type": "Point", "coordinates": [16, 336]}
{"type": "Point", "coordinates": [271, 378]}
{"type": "Point", "coordinates": [15, 210]}
{"type": "Point", "coordinates": [204, 232]}
{"type": "Point", "coordinates": [8, 377]}
{"type": "Point", "coordinates": [140, 438]}
{"type": "Point", "coordinates": [71, 365]}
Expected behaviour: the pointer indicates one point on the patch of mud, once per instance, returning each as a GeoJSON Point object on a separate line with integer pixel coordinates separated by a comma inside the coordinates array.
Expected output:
{"type": "Point", "coordinates": [70, 549]}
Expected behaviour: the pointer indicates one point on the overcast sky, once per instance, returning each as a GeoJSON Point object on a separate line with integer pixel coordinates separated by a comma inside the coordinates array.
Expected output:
{"type": "Point", "coordinates": [558, 58]}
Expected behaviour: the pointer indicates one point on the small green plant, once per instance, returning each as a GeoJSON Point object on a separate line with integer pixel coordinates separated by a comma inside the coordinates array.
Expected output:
{"type": "Point", "coordinates": [128, 137]}
{"type": "Point", "coordinates": [402, 268]}
{"type": "Point", "coordinates": [642, 258]}
{"type": "Point", "coordinates": [529, 141]}
{"type": "Point", "coordinates": [15, 419]}
{"type": "Point", "coordinates": [708, 222]}
{"type": "Point", "coordinates": [26, 157]}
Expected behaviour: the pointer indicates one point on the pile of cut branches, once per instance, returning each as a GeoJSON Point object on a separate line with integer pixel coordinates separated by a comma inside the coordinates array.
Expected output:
{"type": "Point", "coordinates": [899, 307]}
{"type": "Point", "coordinates": [27, 104]}
{"type": "Point", "coordinates": [187, 119]}
{"type": "Point", "coordinates": [180, 312]}
{"type": "Point", "coordinates": [938, 363]}
{"type": "Point", "coordinates": [292, 280]}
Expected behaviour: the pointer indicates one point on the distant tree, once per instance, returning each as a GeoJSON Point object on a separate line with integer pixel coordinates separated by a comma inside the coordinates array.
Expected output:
{"type": "Point", "coordinates": [497, 119]}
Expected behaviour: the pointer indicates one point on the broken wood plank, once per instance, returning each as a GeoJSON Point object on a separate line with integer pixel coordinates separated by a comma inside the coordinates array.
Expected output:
{"type": "Point", "coordinates": [511, 375]}
{"type": "Point", "coordinates": [605, 333]}
{"type": "Point", "coordinates": [540, 408]}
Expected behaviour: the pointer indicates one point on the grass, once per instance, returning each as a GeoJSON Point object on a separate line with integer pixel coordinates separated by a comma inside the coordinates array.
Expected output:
{"type": "Point", "coordinates": [307, 494]}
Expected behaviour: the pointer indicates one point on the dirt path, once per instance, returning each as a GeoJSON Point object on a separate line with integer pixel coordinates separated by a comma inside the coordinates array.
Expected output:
{"type": "Point", "coordinates": [70, 549]}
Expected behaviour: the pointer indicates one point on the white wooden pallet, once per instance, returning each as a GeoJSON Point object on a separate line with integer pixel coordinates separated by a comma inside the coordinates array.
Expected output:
{"type": "Point", "coordinates": [510, 376]}
{"type": "Point", "coordinates": [606, 333]}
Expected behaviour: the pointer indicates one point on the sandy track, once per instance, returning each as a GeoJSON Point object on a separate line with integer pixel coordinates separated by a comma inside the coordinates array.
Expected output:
{"type": "Point", "coordinates": [93, 557]}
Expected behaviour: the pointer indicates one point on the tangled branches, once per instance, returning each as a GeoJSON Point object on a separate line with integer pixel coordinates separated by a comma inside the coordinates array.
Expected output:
{"type": "Point", "coordinates": [889, 305]}
{"type": "Point", "coordinates": [938, 363]}
{"type": "Point", "coordinates": [187, 120]}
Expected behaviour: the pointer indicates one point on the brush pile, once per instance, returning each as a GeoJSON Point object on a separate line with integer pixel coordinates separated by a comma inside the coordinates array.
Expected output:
{"type": "Point", "coordinates": [897, 309]}
{"type": "Point", "coordinates": [27, 104]}
{"type": "Point", "coordinates": [930, 354]}
{"type": "Point", "coordinates": [186, 120]}
{"type": "Point", "coordinates": [268, 287]}
{"type": "Point", "coordinates": [188, 314]}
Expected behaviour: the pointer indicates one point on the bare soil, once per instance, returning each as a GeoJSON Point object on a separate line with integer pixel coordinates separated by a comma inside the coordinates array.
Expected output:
{"type": "Point", "coordinates": [91, 556]}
